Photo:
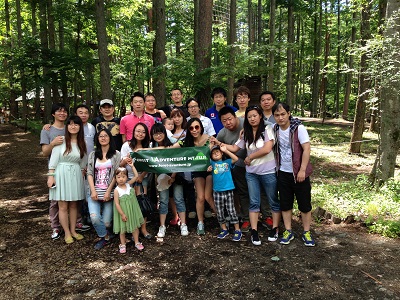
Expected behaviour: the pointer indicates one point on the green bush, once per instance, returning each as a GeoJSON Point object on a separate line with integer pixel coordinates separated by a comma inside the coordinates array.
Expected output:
{"type": "Point", "coordinates": [388, 228]}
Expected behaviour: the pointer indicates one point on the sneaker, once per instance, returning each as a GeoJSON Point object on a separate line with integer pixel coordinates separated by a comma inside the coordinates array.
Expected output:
{"type": "Point", "coordinates": [273, 234]}
{"type": "Point", "coordinates": [245, 226]}
{"type": "Point", "coordinates": [100, 244]}
{"type": "Point", "coordinates": [255, 238]}
{"type": "Point", "coordinates": [267, 222]}
{"type": "Point", "coordinates": [237, 236]}
{"type": "Point", "coordinates": [122, 249]}
{"type": "Point", "coordinates": [223, 234]}
{"type": "Point", "coordinates": [184, 230]}
{"type": "Point", "coordinates": [308, 239]}
{"type": "Point", "coordinates": [200, 228]}
{"type": "Point", "coordinates": [161, 231]}
{"type": "Point", "coordinates": [175, 222]}
{"type": "Point", "coordinates": [82, 227]}
{"type": "Point", "coordinates": [287, 237]}
{"type": "Point", "coordinates": [55, 235]}
{"type": "Point", "coordinates": [208, 214]}
{"type": "Point", "coordinates": [192, 215]}
{"type": "Point", "coordinates": [139, 246]}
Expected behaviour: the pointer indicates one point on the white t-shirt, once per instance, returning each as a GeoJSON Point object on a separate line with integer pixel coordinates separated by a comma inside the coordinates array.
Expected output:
{"type": "Point", "coordinates": [285, 149]}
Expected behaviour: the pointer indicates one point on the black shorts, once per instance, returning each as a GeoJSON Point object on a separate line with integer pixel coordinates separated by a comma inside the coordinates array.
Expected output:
{"type": "Point", "coordinates": [288, 188]}
{"type": "Point", "coordinates": [202, 174]}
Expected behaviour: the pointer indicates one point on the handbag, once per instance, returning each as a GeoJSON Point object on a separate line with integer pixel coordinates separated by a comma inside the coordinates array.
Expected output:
{"type": "Point", "coordinates": [145, 204]}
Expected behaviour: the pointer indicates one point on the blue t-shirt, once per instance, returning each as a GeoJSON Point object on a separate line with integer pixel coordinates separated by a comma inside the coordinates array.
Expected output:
{"type": "Point", "coordinates": [222, 176]}
{"type": "Point", "coordinates": [212, 113]}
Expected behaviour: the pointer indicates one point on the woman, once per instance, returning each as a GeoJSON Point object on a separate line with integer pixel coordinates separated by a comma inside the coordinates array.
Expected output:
{"type": "Point", "coordinates": [193, 107]}
{"type": "Point", "coordinates": [196, 137]}
{"type": "Point", "coordinates": [179, 131]}
{"type": "Point", "coordinates": [65, 177]}
{"type": "Point", "coordinates": [140, 140]}
{"type": "Point", "coordinates": [102, 164]}
{"type": "Point", "coordinates": [259, 140]}
{"type": "Point", "coordinates": [159, 139]}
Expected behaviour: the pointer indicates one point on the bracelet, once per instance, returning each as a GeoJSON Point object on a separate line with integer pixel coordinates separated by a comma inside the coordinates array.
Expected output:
{"type": "Point", "coordinates": [51, 174]}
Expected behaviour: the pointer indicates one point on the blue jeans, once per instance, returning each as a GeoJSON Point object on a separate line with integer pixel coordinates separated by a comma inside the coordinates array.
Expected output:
{"type": "Point", "coordinates": [270, 184]}
{"type": "Point", "coordinates": [101, 214]}
{"type": "Point", "coordinates": [178, 197]}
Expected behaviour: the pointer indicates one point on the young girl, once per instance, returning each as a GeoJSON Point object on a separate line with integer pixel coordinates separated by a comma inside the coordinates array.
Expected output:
{"type": "Point", "coordinates": [159, 139]}
{"type": "Point", "coordinates": [140, 140]}
{"type": "Point", "coordinates": [127, 214]}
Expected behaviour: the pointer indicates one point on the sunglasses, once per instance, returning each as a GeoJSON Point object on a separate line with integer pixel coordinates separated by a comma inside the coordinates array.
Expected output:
{"type": "Point", "coordinates": [195, 127]}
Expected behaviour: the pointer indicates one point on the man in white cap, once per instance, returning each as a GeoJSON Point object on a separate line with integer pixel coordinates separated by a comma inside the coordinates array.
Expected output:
{"type": "Point", "coordinates": [107, 120]}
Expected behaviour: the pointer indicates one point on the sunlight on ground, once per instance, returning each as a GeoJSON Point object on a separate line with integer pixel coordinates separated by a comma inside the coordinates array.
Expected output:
{"type": "Point", "coordinates": [4, 144]}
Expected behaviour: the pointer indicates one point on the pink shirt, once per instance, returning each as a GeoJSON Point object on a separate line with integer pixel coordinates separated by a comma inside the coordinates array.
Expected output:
{"type": "Point", "coordinates": [129, 122]}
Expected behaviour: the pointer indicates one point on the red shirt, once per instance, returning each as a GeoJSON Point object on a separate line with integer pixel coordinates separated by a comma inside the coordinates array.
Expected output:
{"type": "Point", "coordinates": [129, 122]}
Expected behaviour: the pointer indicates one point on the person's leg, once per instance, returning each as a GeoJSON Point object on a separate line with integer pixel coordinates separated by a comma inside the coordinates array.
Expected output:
{"type": "Point", "coordinates": [199, 183]}
{"type": "Point", "coordinates": [254, 196]}
{"type": "Point", "coordinates": [53, 213]}
{"type": "Point", "coordinates": [95, 217]}
{"type": "Point", "coordinates": [108, 215]}
{"type": "Point", "coordinates": [286, 197]}
{"type": "Point", "coordinates": [208, 192]}
{"type": "Point", "coordinates": [239, 177]}
{"type": "Point", "coordinates": [179, 202]}
{"type": "Point", "coordinates": [164, 198]}
{"type": "Point", "coordinates": [219, 205]}
{"type": "Point", "coordinates": [230, 207]}
{"type": "Point", "coordinates": [73, 213]}
{"type": "Point", "coordinates": [270, 184]}
{"type": "Point", "coordinates": [302, 191]}
{"type": "Point", "coordinates": [63, 218]}
{"type": "Point", "coordinates": [190, 197]}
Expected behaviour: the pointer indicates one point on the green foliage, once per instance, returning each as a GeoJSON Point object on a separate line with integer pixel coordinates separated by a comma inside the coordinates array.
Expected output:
{"type": "Point", "coordinates": [388, 228]}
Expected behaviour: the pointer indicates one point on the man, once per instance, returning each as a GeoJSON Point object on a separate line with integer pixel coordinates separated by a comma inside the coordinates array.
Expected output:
{"type": "Point", "coordinates": [150, 108]}
{"type": "Point", "coordinates": [242, 96]}
{"type": "Point", "coordinates": [218, 95]}
{"type": "Point", "coordinates": [292, 152]}
{"type": "Point", "coordinates": [137, 115]}
{"type": "Point", "coordinates": [107, 120]}
{"type": "Point", "coordinates": [177, 102]}
{"type": "Point", "coordinates": [229, 135]}
{"type": "Point", "coordinates": [267, 101]}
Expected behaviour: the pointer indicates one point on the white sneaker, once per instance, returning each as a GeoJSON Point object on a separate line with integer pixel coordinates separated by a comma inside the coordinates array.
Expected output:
{"type": "Point", "coordinates": [192, 215]}
{"type": "Point", "coordinates": [184, 230]}
{"type": "Point", "coordinates": [161, 231]}
{"type": "Point", "coordinates": [55, 235]}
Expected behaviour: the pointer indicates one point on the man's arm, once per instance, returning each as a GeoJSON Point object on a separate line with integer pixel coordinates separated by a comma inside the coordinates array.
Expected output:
{"type": "Point", "coordinates": [47, 148]}
{"type": "Point", "coordinates": [305, 158]}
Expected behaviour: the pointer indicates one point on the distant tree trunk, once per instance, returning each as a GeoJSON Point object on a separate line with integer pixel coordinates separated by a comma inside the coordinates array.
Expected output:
{"type": "Point", "coordinates": [316, 62]}
{"type": "Point", "coordinates": [45, 56]}
{"type": "Point", "coordinates": [363, 83]}
{"type": "Point", "coordinates": [89, 68]}
{"type": "Point", "coordinates": [63, 73]}
{"type": "Point", "coordinates": [389, 143]}
{"type": "Point", "coordinates": [272, 32]}
{"type": "Point", "coordinates": [36, 73]}
{"type": "Point", "coordinates": [290, 62]}
{"type": "Point", "coordinates": [324, 80]}
{"type": "Point", "coordinates": [349, 76]}
{"type": "Point", "coordinates": [104, 60]}
{"type": "Point", "coordinates": [52, 47]}
{"type": "Point", "coordinates": [159, 56]}
{"type": "Point", "coordinates": [203, 51]}
{"type": "Point", "coordinates": [338, 83]}
{"type": "Point", "coordinates": [232, 52]}
{"type": "Point", "coordinates": [250, 18]}
{"type": "Point", "coordinates": [259, 23]}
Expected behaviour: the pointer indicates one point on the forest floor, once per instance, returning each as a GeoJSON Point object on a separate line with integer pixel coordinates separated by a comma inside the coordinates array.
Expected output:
{"type": "Point", "coordinates": [347, 262]}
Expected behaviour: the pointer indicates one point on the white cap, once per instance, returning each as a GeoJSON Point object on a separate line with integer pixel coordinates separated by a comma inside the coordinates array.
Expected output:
{"type": "Point", "coordinates": [106, 101]}
{"type": "Point", "coordinates": [162, 181]}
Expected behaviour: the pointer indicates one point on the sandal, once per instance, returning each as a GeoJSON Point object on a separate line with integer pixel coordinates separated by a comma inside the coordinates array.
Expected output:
{"type": "Point", "coordinates": [69, 240]}
{"type": "Point", "coordinates": [78, 237]}
{"type": "Point", "coordinates": [139, 246]}
{"type": "Point", "coordinates": [122, 249]}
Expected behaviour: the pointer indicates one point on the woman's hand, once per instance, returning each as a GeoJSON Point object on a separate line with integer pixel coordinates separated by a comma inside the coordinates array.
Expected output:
{"type": "Point", "coordinates": [51, 181]}
{"type": "Point", "coordinates": [107, 196]}
{"type": "Point", "coordinates": [247, 161]}
{"type": "Point", "coordinates": [94, 196]}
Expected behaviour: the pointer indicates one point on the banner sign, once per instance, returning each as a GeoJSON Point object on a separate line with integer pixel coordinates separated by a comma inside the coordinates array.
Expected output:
{"type": "Point", "coordinates": [171, 160]}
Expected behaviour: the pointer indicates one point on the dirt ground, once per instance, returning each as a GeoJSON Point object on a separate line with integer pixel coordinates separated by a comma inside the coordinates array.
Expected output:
{"type": "Point", "coordinates": [347, 262]}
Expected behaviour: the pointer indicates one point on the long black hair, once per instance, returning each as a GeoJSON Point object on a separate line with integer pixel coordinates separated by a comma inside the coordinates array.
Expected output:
{"type": "Point", "coordinates": [112, 148]}
{"type": "Point", "coordinates": [80, 137]}
{"type": "Point", "coordinates": [159, 128]}
{"type": "Point", "coordinates": [189, 141]}
{"type": "Point", "coordinates": [146, 141]}
{"type": "Point", "coordinates": [248, 135]}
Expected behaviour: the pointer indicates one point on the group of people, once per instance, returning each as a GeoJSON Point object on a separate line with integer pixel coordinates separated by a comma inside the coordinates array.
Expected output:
{"type": "Point", "coordinates": [259, 160]}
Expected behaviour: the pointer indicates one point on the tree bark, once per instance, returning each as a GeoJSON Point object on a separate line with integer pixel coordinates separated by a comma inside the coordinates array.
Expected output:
{"type": "Point", "coordinates": [324, 80]}
{"type": "Point", "coordinates": [389, 143]}
{"type": "Point", "coordinates": [159, 56]}
{"type": "Point", "coordinates": [52, 47]}
{"type": "Point", "coordinates": [104, 60]}
{"type": "Point", "coordinates": [316, 62]}
{"type": "Point", "coordinates": [349, 78]}
{"type": "Point", "coordinates": [272, 32]}
{"type": "Point", "coordinates": [363, 83]}
{"type": "Point", "coordinates": [232, 50]}
{"type": "Point", "coordinates": [290, 62]}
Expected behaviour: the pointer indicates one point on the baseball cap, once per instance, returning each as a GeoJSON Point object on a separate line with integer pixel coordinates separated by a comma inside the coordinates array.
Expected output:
{"type": "Point", "coordinates": [106, 101]}
{"type": "Point", "coordinates": [216, 147]}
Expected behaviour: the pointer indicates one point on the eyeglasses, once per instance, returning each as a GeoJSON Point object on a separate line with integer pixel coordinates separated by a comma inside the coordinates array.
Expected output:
{"type": "Point", "coordinates": [158, 133]}
{"type": "Point", "coordinates": [195, 127]}
{"type": "Point", "coordinates": [193, 106]}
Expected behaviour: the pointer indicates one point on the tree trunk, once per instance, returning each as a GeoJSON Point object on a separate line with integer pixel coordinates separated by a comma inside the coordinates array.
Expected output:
{"type": "Point", "coordinates": [324, 80]}
{"type": "Point", "coordinates": [363, 83]}
{"type": "Point", "coordinates": [250, 19]}
{"type": "Point", "coordinates": [316, 62]}
{"type": "Point", "coordinates": [290, 62]}
{"type": "Point", "coordinates": [159, 56]}
{"type": "Point", "coordinates": [389, 143]}
{"type": "Point", "coordinates": [203, 52]}
{"type": "Point", "coordinates": [52, 47]}
{"type": "Point", "coordinates": [338, 83]}
{"type": "Point", "coordinates": [104, 60]}
{"type": "Point", "coordinates": [231, 44]}
{"type": "Point", "coordinates": [349, 78]}
{"type": "Point", "coordinates": [272, 31]}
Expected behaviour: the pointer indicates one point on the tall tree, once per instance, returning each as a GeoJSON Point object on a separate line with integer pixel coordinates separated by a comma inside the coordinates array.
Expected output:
{"type": "Point", "coordinates": [104, 60]}
{"type": "Point", "coordinates": [202, 51]}
{"type": "Point", "coordinates": [338, 84]}
{"type": "Point", "coordinates": [364, 81]}
{"type": "Point", "coordinates": [389, 142]}
{"type": "Point", "coordinates": [317, 52]}
{"type": "Point", "coordinates": [159, 56]}
{"type": "Point", "coordinates": [272, 31]}
{"type": "Point", "coordinates": [232, 50]}
{"type": "Point", "coordinates": [290, 52]}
